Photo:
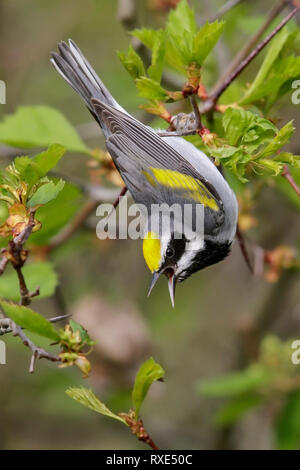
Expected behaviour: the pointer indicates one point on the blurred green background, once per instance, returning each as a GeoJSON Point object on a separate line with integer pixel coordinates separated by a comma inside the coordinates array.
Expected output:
{"type": "Point", "coordinates": [104, 284]}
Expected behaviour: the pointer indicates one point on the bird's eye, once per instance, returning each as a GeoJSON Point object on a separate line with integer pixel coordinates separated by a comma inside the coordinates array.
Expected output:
{"type": "Point", "coordinates": [169, 252]}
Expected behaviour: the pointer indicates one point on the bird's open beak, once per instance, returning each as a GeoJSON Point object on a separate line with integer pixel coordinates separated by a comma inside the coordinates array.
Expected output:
{"type": "Point", "coordinates": [155, 276]}
{"type": "Point", "coordinates": [171, 282]}
{"type": "Point", "coordinates": [172, 285]}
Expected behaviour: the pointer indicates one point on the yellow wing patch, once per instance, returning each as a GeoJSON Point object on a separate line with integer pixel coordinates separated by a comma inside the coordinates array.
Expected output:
{"type": "Point", "coordinates": [194, 189]}
{"type": "Point", "coordinates": [151, 251]}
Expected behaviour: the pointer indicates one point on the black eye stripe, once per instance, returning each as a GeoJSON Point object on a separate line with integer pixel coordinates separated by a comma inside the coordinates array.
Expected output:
{"type": "Point", "coordinates": [169, 251]}
{"type": "Point", "coordinates": [176, 248]}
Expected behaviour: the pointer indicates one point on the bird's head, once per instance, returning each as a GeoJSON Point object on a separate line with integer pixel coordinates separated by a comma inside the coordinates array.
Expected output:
{"type": "Point", "coordinates": [178, 257]}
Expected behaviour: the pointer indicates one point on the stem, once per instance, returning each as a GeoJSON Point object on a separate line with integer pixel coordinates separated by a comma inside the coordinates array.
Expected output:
{"type": "Point", "coordinates": [3, 264]}
{"type": "Point", "coordinates": [17, 256]}
{"type": "Point", "coordinates": [137, 428]}
{"type": "Point", "coordinates": [196, 112]}
{"type": "Point", "coordinates": [24, 292]}
{"type": "Point", "coordinates": [121, 194]}
{"type": "Point", "coordinates": [216, 95]}
{"type": "Point", "coordinates": [225, 9]}
{"type": "Point", "coordinates": [77, 222]}
{"type": "Point", "coordinates": [287, 175]}
{"type": "Point", "coordinates": [150, 443]}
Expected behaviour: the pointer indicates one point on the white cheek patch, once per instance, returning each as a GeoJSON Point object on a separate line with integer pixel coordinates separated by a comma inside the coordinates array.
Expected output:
{"type": "Point", "coordinates": [191, 248]}
{"type": "Point", "coordinates": [164, 242]}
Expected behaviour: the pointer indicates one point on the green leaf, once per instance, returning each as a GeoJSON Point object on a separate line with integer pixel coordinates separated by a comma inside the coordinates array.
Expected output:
{"type": "Point", "coordinates": [57, 213]}
{"type": "Point", "coordinates": [83, 333]}
{"type": "Point", "coordinates": [289, 158]}
{"type": "Point", "coordinates": [206, 39]}
{"type": "Point", "coordinates": [273, 52]}
{"type": "Point", "coordinates": [244, 127]}
{"type": "Point", "coordinates": [267, 164]}
{"type": "Point", "coordinates": [47, 160]}
{"type": "Point", "coordinates": [287, 70]}
{"type": "Point", "coordinates": [181, 28]}
{"type": "Point", "coordinates": [158, 55]}
{"type": "Point", "coordinates": [30, 320]}
{"type": "Point", "coordinates": [132, 63]}
{"type": "Point", "coordinates": [87, 398]}
{"type": "Point", "coordinates": [39, 274]}
{"type": "Point", "coordinates": [46, 193]}
{"type": "Point", "coordinates": [151, 89]}
{"type": "Point", "coordinates": [39, 126]}
{"type": "Point", "coordinates": [27, 169]}
{"type": "Point", "coordinates": [282, 137]}
{"type": "Point", "coordinates": [181, 19]}
{"type": "Point", "coordinates": [151, 38]}
{"type": "Point", "coordinates": [174, 57]}
{"type": "Point", "coordinates": [235, 383]}
{"type": "Point", "coordinates": [32, 169]}
{"type": "Point", "coordinates": [236, 408]}
{"type": "Point", "coordinates": [148, 373]}
{"type": "Point", "coordinates": [146, 35]}
{"type": "Point", "coordinates": [287, 429]}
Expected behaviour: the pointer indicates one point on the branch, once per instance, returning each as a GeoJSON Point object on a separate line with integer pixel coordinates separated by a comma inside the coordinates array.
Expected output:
{"type": "Point", "coordinates": [243, 248]}
{"type": "Point", "coordinates": [274, 12]}
{"type": "Point", "coordinates": [5, 323]}
{"type": "Point", "coordinates": [120, 195]}
{"type": "Point", "coordinates": [287, 175]}
{"type": "Point", "coordinates": [26, 296]}
{"type": "Point", "coordinates": [37, 352]}
{"type": "Point", "coordinates": [16, 254]}
{"type": "Point", "coordinates": [20, 239]}
{"type": "Point", "coordinates": [216, 95]}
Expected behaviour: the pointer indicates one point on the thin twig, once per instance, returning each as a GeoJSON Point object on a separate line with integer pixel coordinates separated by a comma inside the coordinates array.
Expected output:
{"type": "Point", "coordinates": [3, 264]}
{"type": "Point", "coordinates": [79, 220]}
{"type": "Point", "coordinates": [225, 9]}
{"type": "Point", "coordinates": [243, 53]}
{"type": "Point", "coordinates": [196, 112]}
{"type": "Point", "coordinates": [20, 239]}
{"type": "Point", "coordinates": [75, 224]}
{"type": "Point", "coordinates": [216, 95]}
{"type": "Point", "coordinates": [287, 175]}
{"type": "Point", "coordinates": [60, 318]}
{"type": "Point", "coordinates": [243, 248]}
{"type": "Point", "coordinates": [120, 195]}
{"type": "Point", "coordinates": [175, 133]}
{"type": "Point", "coordinates": [26, 296]}
{"type": "Point", "coordinates": [18, 256]}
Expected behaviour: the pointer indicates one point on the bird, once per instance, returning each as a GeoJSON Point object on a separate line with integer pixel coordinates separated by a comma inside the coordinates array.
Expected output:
{"type": "Point", "coordinates": [159, 171]}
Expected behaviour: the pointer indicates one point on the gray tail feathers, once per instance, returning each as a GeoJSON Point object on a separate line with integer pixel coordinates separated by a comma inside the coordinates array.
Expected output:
{"type": "Point", "coordinates": [76, 70]}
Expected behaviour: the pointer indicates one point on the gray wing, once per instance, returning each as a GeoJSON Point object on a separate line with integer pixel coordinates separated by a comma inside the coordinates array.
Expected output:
{"type": "Point", "coordinates": [136, 149]}
{"type": "Point", "coordinates": [133, 144]}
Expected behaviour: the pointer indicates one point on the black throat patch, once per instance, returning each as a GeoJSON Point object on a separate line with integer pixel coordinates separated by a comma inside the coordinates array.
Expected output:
{"type": "Point", "coordinates": [212, 253]}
